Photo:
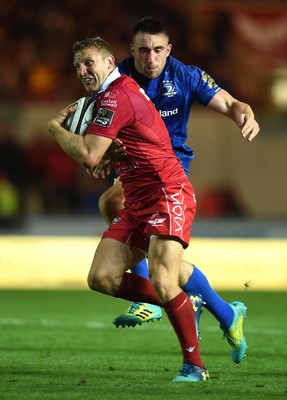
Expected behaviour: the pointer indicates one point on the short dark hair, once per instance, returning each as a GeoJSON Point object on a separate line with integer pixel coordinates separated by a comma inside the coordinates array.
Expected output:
{"type": "Point", "coordinates": [96, 42]}
{"type": "Point", "coordinates": [149, 25]}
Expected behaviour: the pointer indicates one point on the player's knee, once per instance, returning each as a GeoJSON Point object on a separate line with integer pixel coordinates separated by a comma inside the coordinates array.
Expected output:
{"type": "Point", "coordinates": [99, 281]}
{"type": "Point", "coordinates": [110, 204]}
{"type": "Point", "coordinates": [92, 281]}
{"type": "Point", "coordinates": [165, 286]}
{"type": "Point", "coordinates": [160, 286]}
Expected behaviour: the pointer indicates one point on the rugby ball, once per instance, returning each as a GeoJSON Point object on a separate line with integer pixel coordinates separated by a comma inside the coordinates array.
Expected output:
{"type": "Point", "coordinates": [78, 121]}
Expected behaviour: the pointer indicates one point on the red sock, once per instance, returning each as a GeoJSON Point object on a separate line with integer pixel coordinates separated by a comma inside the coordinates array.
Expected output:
{"type": "Point", "coordinates": [136, 288]}
{"type": "Point", "coordinates": [181, 315]}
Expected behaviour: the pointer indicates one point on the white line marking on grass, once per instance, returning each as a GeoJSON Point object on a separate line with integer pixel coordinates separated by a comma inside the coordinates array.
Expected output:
{"type": "Point", "coordinates": [96, 325]}
{"type": "Point", "coordinates": [101, 325]}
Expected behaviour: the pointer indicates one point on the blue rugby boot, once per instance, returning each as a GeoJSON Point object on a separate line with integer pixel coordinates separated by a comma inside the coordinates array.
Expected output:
{"type": "Point", "coordinates": [191, 373]}
{"type": "Point", "coordinates": [197, 303]}
{"type": "Point", "coordinates": [234, 334]}
{"type": "Point", "coordinates": [137, 314]}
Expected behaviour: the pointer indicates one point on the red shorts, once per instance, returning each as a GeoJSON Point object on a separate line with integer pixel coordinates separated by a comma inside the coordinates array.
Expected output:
{"type": "Point", "coordinates": [169, 212]}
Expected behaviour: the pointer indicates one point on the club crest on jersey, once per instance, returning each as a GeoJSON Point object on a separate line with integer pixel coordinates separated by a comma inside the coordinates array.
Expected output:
{"type": "Point", "coordinates": [104, 117]}
{"type": "Point", "coordinates": [112, 95]}
{"type": "Point", "coordinates": [168, 89]}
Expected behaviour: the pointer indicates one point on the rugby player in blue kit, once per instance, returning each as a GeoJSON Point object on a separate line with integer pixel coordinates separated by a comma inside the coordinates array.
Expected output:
{"type": "Point", "coordinates": [173, 86]}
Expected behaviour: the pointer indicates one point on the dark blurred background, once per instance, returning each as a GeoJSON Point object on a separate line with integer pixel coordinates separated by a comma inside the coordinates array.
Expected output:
{"type": "Point", "coordinates": [241, 44]}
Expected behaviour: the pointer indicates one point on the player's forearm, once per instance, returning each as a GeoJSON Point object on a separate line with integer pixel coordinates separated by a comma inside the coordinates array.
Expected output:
{"type": "Point", "coordinates": [227, 105]}
{"type": "Point", "coordinates": [241, 113]}
{"type": "Point", "coordinates": [74, 145]}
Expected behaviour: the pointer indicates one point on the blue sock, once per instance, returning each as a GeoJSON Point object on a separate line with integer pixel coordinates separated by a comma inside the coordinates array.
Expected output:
{"type": "Point", "coordinates": [141, 269]}
{"type": "Point", "coordinates": [198, 284]}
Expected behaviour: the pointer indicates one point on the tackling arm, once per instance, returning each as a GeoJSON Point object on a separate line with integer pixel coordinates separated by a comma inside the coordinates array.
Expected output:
{"type": "Point", "coordinates": [114, 153]}
{"type": "Point", "coordinates": [240, 113]}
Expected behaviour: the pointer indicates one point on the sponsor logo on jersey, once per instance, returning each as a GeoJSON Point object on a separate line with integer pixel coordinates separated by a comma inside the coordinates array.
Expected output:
{"type": "Point", "coordinates": [157, 221]}
{"type": "Point", "coordinates": [109, 103]}
{"type": "Point", "coordinates": [177, 210]}
{"type": "Point", "coordinates": [126, 169]}
{"type": "Point", "coordinates": [168, 113]}
{"type": "Point", "coordinates": [104, 117]}
{"type": "Point", "coordinates": [210, 81]}
{"type": "Point", "coordinates": [168, 89]}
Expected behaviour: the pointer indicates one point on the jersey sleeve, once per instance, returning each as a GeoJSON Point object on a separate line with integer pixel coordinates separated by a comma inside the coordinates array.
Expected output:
{"type": "Point", "coordinates": [203, 86]}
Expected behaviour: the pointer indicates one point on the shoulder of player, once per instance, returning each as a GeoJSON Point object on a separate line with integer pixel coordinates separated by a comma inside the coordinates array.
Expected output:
{"type": "Point", "coordinates": [125, 82]}
{"type": "Point", "coordinates": [117, 85]}
{"type": "Point", "coordinates": [124, 66]}
{"type": "Point", "coordinates": [118, 93]}
{"type": "Point", "coordinates": [180, 68]}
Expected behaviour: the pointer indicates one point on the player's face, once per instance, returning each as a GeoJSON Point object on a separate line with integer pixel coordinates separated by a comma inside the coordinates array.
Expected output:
{"type": "Point", "coordinates": [93, 68]}
{"type": "Point", "coordinates": [150, 52]}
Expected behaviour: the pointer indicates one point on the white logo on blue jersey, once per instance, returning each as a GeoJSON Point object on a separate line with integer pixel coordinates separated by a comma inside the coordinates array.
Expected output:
{"type": "Point", "coordinates": [168, 113]}
{"type": "Point", "coordinates": [168, 89]}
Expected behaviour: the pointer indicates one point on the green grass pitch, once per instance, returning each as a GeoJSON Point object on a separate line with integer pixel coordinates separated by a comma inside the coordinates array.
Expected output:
{"type": "Point", "coordinates": [62, 345]}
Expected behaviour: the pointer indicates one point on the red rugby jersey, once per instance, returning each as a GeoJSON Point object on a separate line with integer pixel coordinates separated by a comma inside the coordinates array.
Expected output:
{"type": "Point", "coordinates": [124, 111]}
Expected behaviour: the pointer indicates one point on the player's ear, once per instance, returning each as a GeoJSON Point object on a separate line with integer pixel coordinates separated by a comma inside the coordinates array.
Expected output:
{"type": "Point", "coordinates": [111, 61]}
{"type": "Point", "coordinates": [132, 49]}
{"type": "Point", "coordinates": [169, 47]}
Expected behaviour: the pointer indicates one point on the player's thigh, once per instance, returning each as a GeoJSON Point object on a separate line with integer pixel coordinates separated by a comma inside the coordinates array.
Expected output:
{"type": "Point", "coordinates": [165, 257]}
{"type": "Point", "coordinates": [113, 258]}
{"type": "Point", "coordinates": [111, 255]}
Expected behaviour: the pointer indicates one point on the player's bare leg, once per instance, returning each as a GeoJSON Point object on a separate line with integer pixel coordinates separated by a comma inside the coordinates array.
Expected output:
{"type": "Point", "coordinates": [110, 204]}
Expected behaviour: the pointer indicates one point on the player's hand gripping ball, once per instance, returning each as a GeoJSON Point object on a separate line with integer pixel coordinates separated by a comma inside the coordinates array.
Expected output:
{"type": "Point", "coordinates": [78, 121]}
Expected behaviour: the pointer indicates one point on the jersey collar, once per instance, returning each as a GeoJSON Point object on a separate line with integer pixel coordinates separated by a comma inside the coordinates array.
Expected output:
{"type": "Point", "coordinates": [112, 77]}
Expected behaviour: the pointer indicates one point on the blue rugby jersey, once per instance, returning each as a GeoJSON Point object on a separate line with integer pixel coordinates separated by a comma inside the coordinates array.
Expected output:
{"type": "Point", "coordinates": [173, 93]}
